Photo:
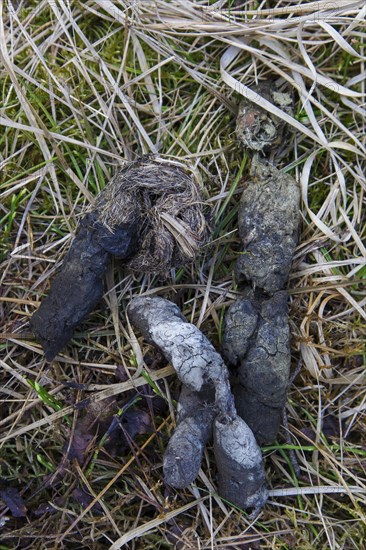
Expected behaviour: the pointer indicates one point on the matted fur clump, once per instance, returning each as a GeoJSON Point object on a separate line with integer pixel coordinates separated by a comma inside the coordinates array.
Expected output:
{"type": "Point", "coordinates": [162, 199]}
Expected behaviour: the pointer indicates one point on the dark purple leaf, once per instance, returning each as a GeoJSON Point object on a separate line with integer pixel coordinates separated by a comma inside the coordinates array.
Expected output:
{"type": "Point", "coordinates": [44, 508]}
{"type": "Point", "coordinates": [136, 422]}
{"type": "Point", "coordinates": [331, 426]}
{"type": "Point", "coordinates": [84, 499]}
{"type": "Point", "coordinates": [123, 429]}
{"type": "Point", "coordinates": [79, 444]}
{"type": "Point", "coordinates": [13, 501]}
{"type": "Point", "coordinates": [121, 373]}
{"type": "Point", "coordinates": [49, 507]}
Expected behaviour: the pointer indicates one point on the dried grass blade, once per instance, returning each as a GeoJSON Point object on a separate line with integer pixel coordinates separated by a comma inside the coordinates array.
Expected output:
{"type": "Point", "coordinates": [139, 531]}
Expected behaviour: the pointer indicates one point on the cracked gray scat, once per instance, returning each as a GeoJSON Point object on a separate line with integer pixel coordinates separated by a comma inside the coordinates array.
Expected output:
{"type": "Point", "coordinates": [187, 350]}
{"type": "Point", "coordinates": [183, 456]}
{"type": "Point", "coordinates": [241, 476]}
{"type": "Point", "coordinates": [239, 326]}
{"type": "Point", "coordinates": [260, 394]}
{"type": "Point", "coordinates": [191, 354]}
{"type": "Point", "coordinates": [161, 322]}
{"type": "Point", "coordinates": [256, 339]}
{"type": "Point", "coordinates": [267, 363]}
{"type": "Point", "coordinates": [203, 373]}
{"type": "Point", "coordinates": [268, 222]}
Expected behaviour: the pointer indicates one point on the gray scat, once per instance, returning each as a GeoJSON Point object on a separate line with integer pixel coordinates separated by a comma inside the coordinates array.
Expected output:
{"type": "Point", "coordinates": [264, 366]}
{"type": "Point", "coordinates": [195, 359]}
{"type": "Point", "coordinates": [239, 326]}
{"type": "Point", "coordinates": [206, 395]}
{"type": "Point", "coordinates": [183, 456]}
{"type": "Point", "coordinates": [241, 475]}
{"type": "Point", "coordinates": [268, 222]}
{"type": "Point", "coordinates": [197, 363]}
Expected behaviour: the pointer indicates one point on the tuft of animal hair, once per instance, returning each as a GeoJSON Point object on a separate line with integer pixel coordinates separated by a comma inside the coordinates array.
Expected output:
{"type": "Point", "coordinates": [164, 200]}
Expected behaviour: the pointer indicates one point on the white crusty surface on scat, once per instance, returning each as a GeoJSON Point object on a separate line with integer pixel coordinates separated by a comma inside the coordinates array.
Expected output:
{"type": "Point", "coordinates": [241, 476]}
{"type": "Point", "coordinates": [237, 441]}
{"type": "Point", "coordinates": [188, 351]}
{"type": "Point", "coordinates": [191, 354]}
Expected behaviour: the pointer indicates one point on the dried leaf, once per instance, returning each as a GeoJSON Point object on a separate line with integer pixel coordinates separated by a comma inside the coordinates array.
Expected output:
{"type": "Point", "coordinates": [136, 422]}
{"type": "Point", "coordinates": [331, 427]}
{"type": "Point", "coordinates": [83, 498]}
{"type": "Point", "coordinates": [79, 444]}
{"type": "Point", "coordinates": [14, 501]}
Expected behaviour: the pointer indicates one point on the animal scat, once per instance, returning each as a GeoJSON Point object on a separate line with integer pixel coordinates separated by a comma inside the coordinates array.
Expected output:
{"type": "Point", "coordinates": [150, 215]}
{"type": "Point", "coordinates": [194, 358]}
{"type": "Point", "coordinates": [241, 476]}
{"type": "Point", "coordinates": [183, 455]}
{"type": "Point", "coordinates": [262, 357]}
{"type": "Point", "coordinates": [258, 129]}
{"type": "Point", "coordinates": [78, 286]}
{"type": "Point", "coordinates": [268, 221]}
{"type": "Point", "coordinates": [206, 399]}
{"type": "Point", "coordinates": [240, 323]}
{"type": "Point", "coordinates": [165, 200]}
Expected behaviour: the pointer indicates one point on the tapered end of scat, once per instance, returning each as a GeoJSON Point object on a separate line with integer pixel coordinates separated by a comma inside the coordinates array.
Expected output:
{"type": "Point", "coordinates": [49, 333]}
{"type": "Point", "coordinates": [152, 309]}
{"type": "Point", "coordinates": [183, 455]}
{"type": "Point", "coordinates": [74, 292]}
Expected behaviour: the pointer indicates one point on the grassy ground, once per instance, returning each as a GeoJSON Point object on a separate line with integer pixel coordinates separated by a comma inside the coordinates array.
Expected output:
{"type": "Point", "coordinates": [87, 85]}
